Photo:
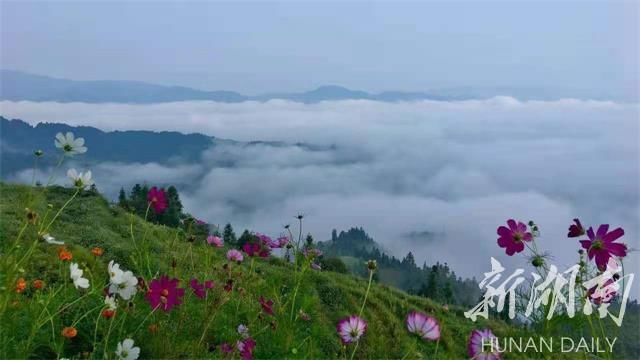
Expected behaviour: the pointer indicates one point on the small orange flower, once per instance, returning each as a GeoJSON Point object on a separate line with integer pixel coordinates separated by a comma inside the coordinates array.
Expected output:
{"type": "Point", "coordinates": [108, 313]}
{"type": "Point", "coordinates": [21, 285]}
{"type": "Point", "coordinates": [153, 328]}
{"type": "Point", "coordinates": [64, 254]}
{"type": "Point", "coordinates": [69, 332]}
{"type": "Point", "coordinates": [97, 251]}
{"type": "Point", "coordinates": [38, 284]}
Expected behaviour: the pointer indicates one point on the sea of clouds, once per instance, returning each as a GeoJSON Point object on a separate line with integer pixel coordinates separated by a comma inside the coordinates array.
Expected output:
{"type": "Point", "coordinates": [457, 169]}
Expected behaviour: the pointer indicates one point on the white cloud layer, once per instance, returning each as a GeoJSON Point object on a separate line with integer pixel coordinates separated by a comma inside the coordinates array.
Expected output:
{"type": "Point", "coordinates": [456, 168]}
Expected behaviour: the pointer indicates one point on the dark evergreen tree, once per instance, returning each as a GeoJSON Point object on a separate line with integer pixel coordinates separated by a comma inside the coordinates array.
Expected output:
{"type": "Point", "coordinates": [122, 199]}
{"type": "Point", "coordinates": [229, 235]}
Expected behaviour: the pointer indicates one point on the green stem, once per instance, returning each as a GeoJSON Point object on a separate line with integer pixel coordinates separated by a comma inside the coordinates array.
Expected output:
{"type": "Point", "coordinates": [62, 208]}
{"type": "Point", "coordinates": [355, 348]}
{"type": "Point", "coordinates": [367, 293]}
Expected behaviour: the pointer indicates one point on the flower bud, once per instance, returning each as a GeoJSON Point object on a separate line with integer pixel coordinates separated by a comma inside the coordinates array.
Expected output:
{"type": "Point", "coordinates": [372, 265]}
{"type": "Point", "coordinates": [38, 153]}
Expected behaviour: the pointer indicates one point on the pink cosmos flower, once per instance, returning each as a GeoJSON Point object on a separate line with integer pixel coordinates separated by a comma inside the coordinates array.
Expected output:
{"type": "Point", "coordinates": [601, 245]}
{"type": "Point", "coordinates": [512, 238]}
{"type": "Point", "coordinates": [164, 293]}
{"type": "Point", "coordinates": [267, 305]}
{"type": "Point", "coordinates": [215, 241]}
{"type": "Point", "coordinates": [576, 229]}
{"type": "Point", "coordinates": [480, 348]}
{"type": "Point", "coordinates": [245, 348]}
{"type": "Point", "coordinates": [351, 329]}
{"type": "Point", "coordinates": [604, 294]}
{"type": "Point", "coordinates": [424, 326]}
{"type": "Point", "coordinates": [312, 253]}
{"type": "Point", "coordinates": [282, 241]}
{"type": "Point", "coordinates": [266, 241]}
{"type": "Point", "coordinates": [157, 199]}
{"type": "Point", "coordinates": [234, 255]}
{"type": "Point", "coordinates": [316, 267]}
{"type": "Point", "coordinates": [200, 289]}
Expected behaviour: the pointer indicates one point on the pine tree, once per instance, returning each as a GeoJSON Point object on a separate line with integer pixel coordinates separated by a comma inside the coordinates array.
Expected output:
{"type": "Point", "coordinates": [122, 199]}
{"type": "Point", "coordinates": [229, 236]}
{"type": "Point", "coordinates": [309, 242]}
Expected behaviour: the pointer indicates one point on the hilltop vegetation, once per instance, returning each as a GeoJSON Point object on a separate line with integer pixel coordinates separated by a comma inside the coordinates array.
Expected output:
{"type": "Point", "coordinates": [34, 318]}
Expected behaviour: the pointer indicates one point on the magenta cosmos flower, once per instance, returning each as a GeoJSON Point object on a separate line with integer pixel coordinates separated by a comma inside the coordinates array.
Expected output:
{"type": "Point", "coordinates": [157, 200]}
{"type": "Point", "coordinates": [282, 241]}
{"type": "Point", "coordinates": [424, 326]}
{"type": "Point", "coordinates": [267, 305]}
{"type": "Point", "coordinates": [512, 238]}
{"type": "Point", "coordinates": [200, 289]}
{"type": "Point", "coordinates": [164, 293]}
{"type": "Point", "coordinates": [215, 241]}
{"type": "Point", "coordinates": [576, 229]}
{"type": "Point", "coordinates": [234, 255]}
{"type": "Point", "coordinates": [601, 245]}
{"type": "Point", "coordinates": [245, 348]}
{"type": "Point", "coordinates": [480, 348]}
{"type": "Point", "coordinates": [351, 329]}
{"type": "Point", "coordinates": [604, 294]}
{"type": "Point", "coordinates": [256, 249]}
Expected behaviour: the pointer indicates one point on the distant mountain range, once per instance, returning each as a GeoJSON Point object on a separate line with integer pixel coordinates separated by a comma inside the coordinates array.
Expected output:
{"type": "Point", "coordinates": [19, 86]}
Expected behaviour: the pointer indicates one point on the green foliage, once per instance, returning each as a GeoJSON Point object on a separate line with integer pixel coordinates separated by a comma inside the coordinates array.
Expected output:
{"type": "Point", "coordinates": [333, 264]}
{"type": "Point", "coordinates": [33, 320]}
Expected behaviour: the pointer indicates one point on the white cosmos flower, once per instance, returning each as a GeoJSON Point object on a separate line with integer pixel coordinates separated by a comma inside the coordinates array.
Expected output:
{"type": "Point", "coordinates": [76, 276]}
{"type": "Point", "coordinates": [110, 302]}
{"type": "Point", "coordinates": [126, 350]}
{"type": "Point", "coordinates": [126, 288]}
{"type": "Point", "coordinates": [69, 144]}
{"type": "Point", "coordinates": [51, 240]}
{"type": "Point", "coordinates": [115, 274]}
{"type": "Point", "coordinates": [81, 180]}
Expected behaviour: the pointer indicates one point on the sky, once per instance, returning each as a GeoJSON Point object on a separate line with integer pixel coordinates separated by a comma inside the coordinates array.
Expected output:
{"type": "Point", "coordinates": [264, 47]}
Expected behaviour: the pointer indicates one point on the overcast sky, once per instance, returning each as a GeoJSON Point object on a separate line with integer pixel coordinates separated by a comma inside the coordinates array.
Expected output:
{"type": "Point", "coordinates": [268, 47]}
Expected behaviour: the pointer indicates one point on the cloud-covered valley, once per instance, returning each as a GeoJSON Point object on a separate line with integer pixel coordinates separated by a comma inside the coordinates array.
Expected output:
{"type": "Point", "coordinates": [458, 169]}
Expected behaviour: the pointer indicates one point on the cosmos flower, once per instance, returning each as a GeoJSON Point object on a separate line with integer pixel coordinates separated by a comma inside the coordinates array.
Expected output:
{"type": "Point", "coordinates": [601, 245]}
{"type": "Point", "coordinates": [64, 254]}
{"type": "Point", "coordinates": [21, 285]}
{"type": "Point", "coordinates": [226, 348]}
{"type": "Point", "coordinates": [115, 274]}
{"type": "Point", "coordinates": [51, 240]}
{"type": "Point", "coordinates": [111, 306]}
{"type": "Point", "coordinates": [38, 284]}
{"type": "Point", "coordinates": [69, 144]}
{"type": "Point", "coordinates": [424, 326]}
{"type": "Point", "coordinates": [256, 249]}
{"type": "Point", "coordinates": [157, 199]}
{"type": "Point", "coordinates": [215, 241]}
{"type": "Point", "coordinates": [512, 238]}
{"type": "Point", "coordinates": [200, 289]}
{"type": "Point", "coordinates": [604, 294]}
{"type": "Point", "coordinates": [164, 293]}
{"type": "Point", "coordinates": [234, 255]}
{"type": "Point", "coordinates": [245, 348]}
{"type": "Point", "coordinates": [80, 180]}
{"type": "Point", "coordinates": [126, 350]}
{"type": "Point", "coordinates": [97, 251]}
{"type": "Point", "coordinates": [351, 329]}
{"type": "Point", "coordinates": [480, 348]}
{"type": "Point", "coordinates": [312, 253]}
{"type": "Point", "coordinates": [576, 229]}
{"type": "Point", "coordinates": [282, 241]}
{"type": "Point", "coordinates": [243, 330]}
{"type": "Point", "coordinates": [267, 305]}
{"type": "Point", "coordinates": [76, 276]}
{"type": "Point", "coordinates": [316, 267]}
{"type": "Point", "coordinates": [69, 332]}
{"type": "Point", "coordinates": [122, 282]}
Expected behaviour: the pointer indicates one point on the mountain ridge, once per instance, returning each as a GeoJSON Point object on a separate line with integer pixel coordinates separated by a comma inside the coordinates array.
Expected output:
{"type": "Point", "coordinates": [23, 86]}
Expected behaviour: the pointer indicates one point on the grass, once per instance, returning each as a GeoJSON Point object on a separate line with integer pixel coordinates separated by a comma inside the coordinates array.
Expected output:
{"type": "Point", "coordinates": [32, 321]}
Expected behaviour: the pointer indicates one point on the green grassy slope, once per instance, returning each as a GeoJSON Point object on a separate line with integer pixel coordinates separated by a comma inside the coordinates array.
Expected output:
{"type": "Point", "coordinates": [34, 319]}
